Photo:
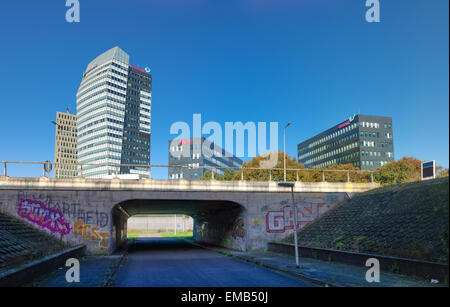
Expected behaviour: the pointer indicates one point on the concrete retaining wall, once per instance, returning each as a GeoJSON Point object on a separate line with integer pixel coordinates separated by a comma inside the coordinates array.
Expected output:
{"type": "Point", "coordinates": [26, 273]}
{"type": "Point", "coordinates": [411, 267]}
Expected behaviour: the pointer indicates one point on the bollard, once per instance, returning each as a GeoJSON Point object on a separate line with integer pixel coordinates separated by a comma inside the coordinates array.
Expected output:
{"type": "Point", "coordinates": [323, 176]}
{"type": "Point", "coordinates": [348, 176]}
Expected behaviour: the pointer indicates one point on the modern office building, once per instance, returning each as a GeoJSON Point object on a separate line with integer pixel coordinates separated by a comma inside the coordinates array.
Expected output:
{"type": "Point", "coordinates": [65, 145]}
{"type": "Point", "coordinates": [196, 156]}
{"type": "Point", "coordinates": [365, 141]}
{"type": "Point", "coordinates": [113, 122]}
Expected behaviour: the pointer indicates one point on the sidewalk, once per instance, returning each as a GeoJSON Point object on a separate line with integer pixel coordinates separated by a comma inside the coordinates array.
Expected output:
{"type": "Point", "coordinates": [94, 272]}
{"type": "Point", "coordinates": [324, 273]}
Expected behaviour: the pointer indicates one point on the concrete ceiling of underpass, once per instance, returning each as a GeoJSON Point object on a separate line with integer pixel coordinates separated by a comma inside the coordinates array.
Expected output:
{"type": "Point", "coordinates": [188, 207]}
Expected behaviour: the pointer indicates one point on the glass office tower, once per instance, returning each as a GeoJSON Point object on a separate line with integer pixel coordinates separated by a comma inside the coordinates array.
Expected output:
{"type": "Point", "coordinates": [113, 116]}
{"type": "Point", "coordinates": [184, 153]}
{"type": "Point", "coordinates": [364, 141]}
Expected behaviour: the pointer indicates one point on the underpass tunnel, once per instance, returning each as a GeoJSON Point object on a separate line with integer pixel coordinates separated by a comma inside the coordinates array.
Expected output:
{"type": "Point", "coordinates": [215, 222]}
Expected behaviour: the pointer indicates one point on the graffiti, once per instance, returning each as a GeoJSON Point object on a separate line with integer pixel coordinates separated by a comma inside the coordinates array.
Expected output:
{"type": "Point", "coordinates": [73, 210]}
{"type": "Point", "coordinates": [280, 221]}
{"type": "Point", "coordinates": [238, 228]}
{"type": "Point", "coordinates": [89, 232]}
{"type": "Point", "coordinates": [38, 213]}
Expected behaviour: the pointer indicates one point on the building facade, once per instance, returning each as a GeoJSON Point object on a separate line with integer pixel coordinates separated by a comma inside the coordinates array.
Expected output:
{"type": "Point", "coordinates": [113, 116]}
{"type": "Point", "coordinates": [65, 145]}
{"type": "Point", "coordinates": [196, 155]}
{"type": "Point", "coordinates": [364, 141]}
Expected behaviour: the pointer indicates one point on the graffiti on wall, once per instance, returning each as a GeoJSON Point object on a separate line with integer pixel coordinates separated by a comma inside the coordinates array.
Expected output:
{"type": "Point", "coordinates": [238, 229]}
{"type": "Point", "coordinates": [90, 232]}
{"type": "Point", "coordinates": [74, 211]}
{"type": "Point", "coordinates": [282, 220]}
{"type": "Point", "coordinates": [38, 213]}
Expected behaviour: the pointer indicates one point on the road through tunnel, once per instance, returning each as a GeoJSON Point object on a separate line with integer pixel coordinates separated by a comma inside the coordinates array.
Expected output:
{"type": "Point", "coordinates": [216, 222]}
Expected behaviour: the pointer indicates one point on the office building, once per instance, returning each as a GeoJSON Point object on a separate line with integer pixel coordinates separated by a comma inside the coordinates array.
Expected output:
{"type": "Point", "coordinates": [364, 141]}
{"type": "Point", "coordinates": [196, 157]}
{"type": "Point", "coordinates": [65, 145]}
{"type": "Point", "coordinates": [113, 116]}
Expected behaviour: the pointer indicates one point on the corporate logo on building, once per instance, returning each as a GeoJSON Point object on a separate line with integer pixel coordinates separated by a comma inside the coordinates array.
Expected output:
{"type": "Point", "coordinates": [347, 122]}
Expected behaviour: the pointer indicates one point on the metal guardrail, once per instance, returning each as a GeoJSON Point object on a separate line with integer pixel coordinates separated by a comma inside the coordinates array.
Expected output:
{"type": "Point", "coordinates": [48, 165]}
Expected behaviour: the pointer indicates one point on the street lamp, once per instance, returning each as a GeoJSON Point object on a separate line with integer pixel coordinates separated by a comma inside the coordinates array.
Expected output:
{"type": "Point", "coordinates": [294, 209]}
{"type": "Point", "coordinates": [284, 149]}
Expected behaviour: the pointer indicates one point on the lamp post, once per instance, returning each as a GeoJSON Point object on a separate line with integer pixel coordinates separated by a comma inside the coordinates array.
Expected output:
{"type": "Point", "coordinates": [284, 149]}
{"type": "Point", "coordinates": [294, 209]}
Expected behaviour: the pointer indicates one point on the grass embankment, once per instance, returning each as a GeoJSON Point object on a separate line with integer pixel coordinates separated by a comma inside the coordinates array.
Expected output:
{"type": "Point", "coordinates": [170, 234]}
{"type": "Point", "coordinates": [21, 243]}
{"type": "Point", "coordinates": [408, 220]}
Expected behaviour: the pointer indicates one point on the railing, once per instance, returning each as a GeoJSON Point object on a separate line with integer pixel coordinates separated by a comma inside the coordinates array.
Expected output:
{"type": "Point", "coordinates": [245, 173]}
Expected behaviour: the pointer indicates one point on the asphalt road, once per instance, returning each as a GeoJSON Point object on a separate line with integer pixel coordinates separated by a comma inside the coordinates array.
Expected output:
{"type": "Point", "coordinates": [167, 262]}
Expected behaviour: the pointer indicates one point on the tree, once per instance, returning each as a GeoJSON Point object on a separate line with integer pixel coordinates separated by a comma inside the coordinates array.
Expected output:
{"type": "Point", "coordinates": [442, 172]}
{"type": "Point", "coordinates": [252, 172]}
{"type": "Point", "coordinates": [354, 173]}
{"type": "Point", "coordinates": [228, 175]}
{"type": "Point", "coordinates": [405, 170]}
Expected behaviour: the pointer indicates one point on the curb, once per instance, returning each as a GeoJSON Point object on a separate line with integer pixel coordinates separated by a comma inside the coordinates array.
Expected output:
{"type": "Point", "coordinates": [28, 272]}
{"type": "Point", "coordinates": [407, 267]}
{"type": "Point", "coordinates": [272, 267]}
{"type": "Point", "coordinates": [108, 282]}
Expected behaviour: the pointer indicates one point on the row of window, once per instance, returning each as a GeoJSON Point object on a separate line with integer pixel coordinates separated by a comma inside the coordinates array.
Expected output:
{"type": "Point", "coordinates": [373, 163]}
{"type": "Point", "coordinates": [111, 142]}
{"type": "Point", "coordinates": [143, 76]}
{"type": "Point", "coordinates": [332, 153]}
{"type": "Point", "coordinates": [329, 146]}
{"type": "Point", "coordinates": [339, 160]}
{"type": "Point", "coordinates": [376, 154]}
{"type": "Point", "coordinates": [110, 120]}
{"type": "Point", "coordinates": [331, 136]}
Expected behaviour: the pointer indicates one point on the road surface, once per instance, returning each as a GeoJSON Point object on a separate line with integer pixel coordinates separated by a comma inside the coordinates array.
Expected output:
{"type": "Point", "coordinates": [168, 262]}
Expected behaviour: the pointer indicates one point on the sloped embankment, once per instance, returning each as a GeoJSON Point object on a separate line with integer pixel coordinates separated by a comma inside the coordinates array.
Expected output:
{"type": "Point", "coordinates": [21, 243]}
{"type": "Point", "coordinates": [409, 220]}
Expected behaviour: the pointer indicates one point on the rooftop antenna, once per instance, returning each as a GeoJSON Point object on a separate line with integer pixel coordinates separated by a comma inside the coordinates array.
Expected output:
{"type": "Point", "coordinates": [68, 110]}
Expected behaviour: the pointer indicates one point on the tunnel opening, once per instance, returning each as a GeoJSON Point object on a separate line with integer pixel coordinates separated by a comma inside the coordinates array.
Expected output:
{"type": "Point", "coordinates": [214, 222]}
{"type": "Point", "coordinates": [160, 226]}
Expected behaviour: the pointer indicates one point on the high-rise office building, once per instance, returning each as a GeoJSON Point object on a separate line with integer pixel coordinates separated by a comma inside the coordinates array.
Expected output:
{"type": "Point", "coordinates": [196, 157]}
{"type": "Point", "coordinates": [113, 110]}
{"type": "Point", "coordinates": [65, 145]}
{"type": "Point", "coordinates": [365, 141]}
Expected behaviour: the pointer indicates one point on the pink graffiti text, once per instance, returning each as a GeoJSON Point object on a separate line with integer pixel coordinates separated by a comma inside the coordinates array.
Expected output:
{"type": "Point", "coordinates": [38, 213]}
{"type": "Point", "coordinates": [280, 221]}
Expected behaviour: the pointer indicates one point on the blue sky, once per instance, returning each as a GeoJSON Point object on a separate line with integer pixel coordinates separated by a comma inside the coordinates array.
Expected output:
{"type": "Point", "coordinates": [312, 62]}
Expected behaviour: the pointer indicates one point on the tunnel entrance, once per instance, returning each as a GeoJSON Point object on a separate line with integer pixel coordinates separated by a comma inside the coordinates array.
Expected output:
{"type": "Point", "coordinates": [160, 226]}
{"type": "Point", "coordinates": [214, 222]}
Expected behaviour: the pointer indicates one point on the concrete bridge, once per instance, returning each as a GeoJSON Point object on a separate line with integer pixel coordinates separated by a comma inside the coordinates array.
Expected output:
{"type": "Point", "coordinates": [240, 215]}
